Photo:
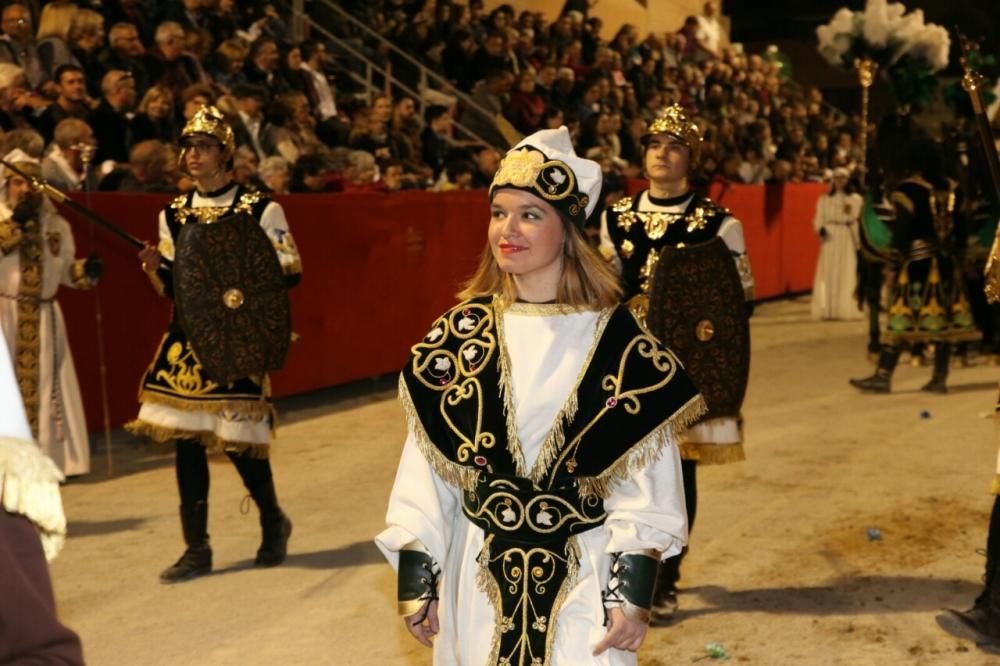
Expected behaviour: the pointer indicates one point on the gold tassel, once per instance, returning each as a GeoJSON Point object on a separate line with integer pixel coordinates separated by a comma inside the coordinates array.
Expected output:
{"type": "Point", "coordinates": [460, 476]}
{"type": "Point", "coordinates": [712, 454]}
{"type": "Point", "coordinates": [212, 442]}
{"type": "Point", "coordinates": [257, 410]}
{"type": "Point", "coordinates": [507, 396]}
{"type": "Point", "coordinates": [572, 553]}
{"type": "Point", "coordinates": [489, 587]}
{"type": "Point", "coordinates": [645, 452]}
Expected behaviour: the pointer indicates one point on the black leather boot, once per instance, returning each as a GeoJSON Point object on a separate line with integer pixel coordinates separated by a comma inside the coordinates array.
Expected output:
{"type": "Point", "coordinates": [197, 559]}
{"type": "Point", "coordinates": [938, 382]}
{"type": "Point", "coordinates": [275, 527]}
{"type": "Point", "coordinates": [881, 381]}
{"type": "Point", "coordinates": [664, 606]}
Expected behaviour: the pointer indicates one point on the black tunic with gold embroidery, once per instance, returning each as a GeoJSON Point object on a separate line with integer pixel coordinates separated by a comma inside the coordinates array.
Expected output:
{"type": "Point", "coordinates": [456, 392]}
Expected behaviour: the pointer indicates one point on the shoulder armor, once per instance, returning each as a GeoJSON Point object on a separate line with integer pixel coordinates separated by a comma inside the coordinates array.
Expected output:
{"type": "Point", "coordinates": [622, 205]}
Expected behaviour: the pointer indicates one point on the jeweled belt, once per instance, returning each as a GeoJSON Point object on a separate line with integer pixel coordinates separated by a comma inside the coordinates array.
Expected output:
{"type": "Point", "coordinates": [529, 560]}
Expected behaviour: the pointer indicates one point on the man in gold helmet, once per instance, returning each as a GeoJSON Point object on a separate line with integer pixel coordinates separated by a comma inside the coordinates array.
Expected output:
{"type": "Point", "coordinates": [633, 233]}
{"type": "Point", "coordinates": [180, 403]}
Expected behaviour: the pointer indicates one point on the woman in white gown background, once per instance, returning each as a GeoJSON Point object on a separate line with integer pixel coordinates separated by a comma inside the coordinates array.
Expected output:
{"type": "Point", "coordinates": [838, 214]}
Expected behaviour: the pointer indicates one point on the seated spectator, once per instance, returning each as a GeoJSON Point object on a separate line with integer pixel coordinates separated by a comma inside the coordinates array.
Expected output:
{"type": "Point", "coordinates": [457, 58]}
{"type": "Point", "coordinates": [72, 101]}
{"type": "Point", "coordinates": [435, 138]}
{"type": "Point", "coordinates": [110, 120]}
{"type": "Point", "coordinates": [167, 63]}
{"type": "Point", "coordinates": [754, 169]}
{"type": "Point", "coordinates": [249, 126]}
{"type": "Point", "coordinates": [360, 174]}
{"type": "Point", "coordinates": [314, 61]}
{"type": "Point", "coordinates": [275, 174]}
{"type": "Point", "coordinates": [487, 162]}
{"type": "Point", "coordinates": [526, 106]}
{"type": "Point", "coordinates": [18, 45]}
{"type": "Point", "coordinates": [147, 170]}
{"type": "Point", "coordinates": [404, 135]}
{"type": "Point", "coordinates": [490, 56]}
{"type": "Point", "coordinates": [28, 140]}
{"type": "Point", "coordinates": [86, 38]}
{"type": "Point", "coordinates": [125, 52]}
{"type": "Point", "coordinates": [457, 175]}
{"type": "Point", "coordinates": [490, 96]}
{"type": "Point", "coordinates": [310, 174]}
{"type": "Point", "coordinates": [17, 103]}
{"type": "Point", "coordinates": [155, 117]}
{"type": "Point", "coordinates": [228, 62]}
{"type": "Point", "coordinates": [65, 167]}
{"type": "Point", "coordinates": [553, 118]}
{"type": "Point", "coordinates": [52, 36]}
{"type": "Point", "coordinates": [245, 164]}
{"type": "Point", "coordinates": [194, 97]}
{"type": "Point", "coordinates": [262, 68]}
{"type": "Point", "coordinates": [291, 131]}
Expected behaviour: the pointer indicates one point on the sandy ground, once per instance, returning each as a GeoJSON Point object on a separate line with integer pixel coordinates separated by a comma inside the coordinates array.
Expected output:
{"type": "Point", "coordinates": [781, 570]}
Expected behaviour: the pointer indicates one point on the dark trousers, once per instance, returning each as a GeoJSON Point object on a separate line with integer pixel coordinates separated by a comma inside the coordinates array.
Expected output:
{"type": "Point", "coordinates": [192, 472]}
{"type": "Point", "coordinates": [989, 596]}
{"type": "Point", "coordinates": [670, 569]}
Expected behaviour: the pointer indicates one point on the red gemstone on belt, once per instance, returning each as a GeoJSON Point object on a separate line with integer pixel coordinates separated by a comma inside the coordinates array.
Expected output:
{"type": "Point", "coordinates": [612, 402]}
{"type": "Point", "coordinates": [479, 460]}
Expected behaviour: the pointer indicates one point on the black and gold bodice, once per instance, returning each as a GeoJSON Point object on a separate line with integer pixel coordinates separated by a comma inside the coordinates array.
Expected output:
{"type": "Point", "coordinates": [927, 220]}
{"type": "Point", "coordinates": [456, 392]}
{"type": "Point", "coordinates": [639, 235]}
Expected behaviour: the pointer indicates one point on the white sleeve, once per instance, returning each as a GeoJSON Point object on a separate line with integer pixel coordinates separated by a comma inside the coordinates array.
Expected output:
{"type": "Point", "coordinates": [166, 241]}
{"type": "Point", "coordinates": [647, 512]}
{"type": "Point", "coordinates": [276, 226]}
{"type": "Point", "coordinates": [731, 232]}
{"type": "Point", "coordinates": [607, 246]}
{"type": "Point", "coordinates": [422, 508]}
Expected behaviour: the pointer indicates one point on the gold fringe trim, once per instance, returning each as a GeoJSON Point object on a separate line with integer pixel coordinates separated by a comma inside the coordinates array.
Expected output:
{"type": "Point", "coordinates": [506, 386]}
{"type": "Point", "coordinates": [451, 473]}
{"type": "Point", "coordinates": [488, 586]}
{"type": "Point", "coordinates": [556, 439]}
{"type": "Point", "coordinates": [258, 410]}
{"type": "Point", "coordinates": [712, 454]}
{"type": "Point", "coordinates": [572, 571]}
{"type": "Point", "coordinates": [29, 486]}
{"type": "Point", "coordinates": [644, 452]}
{"type": "Point", "coordinates": [209, 440]}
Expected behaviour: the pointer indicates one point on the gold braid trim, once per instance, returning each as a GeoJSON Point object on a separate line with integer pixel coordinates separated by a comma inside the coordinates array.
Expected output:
{"type": "Point", "coordinates": [572, 571]}
{"type": "Point", "coordinates": [712, 454]}
{"type": "Point", "coordinates": [556, 438]}
{"type": "Point", "coordinates": [258, 410]}
{"type": "Point", "coordinates": [211, 441]}
{"type": "Point", "coordinates": [27, 344]}
{"type": "Point", "coordinates": [645, 452]}
{"type": "Point", "coordinates": [451, 473]}
{"type": "Point", "coordinates": [507, 394]}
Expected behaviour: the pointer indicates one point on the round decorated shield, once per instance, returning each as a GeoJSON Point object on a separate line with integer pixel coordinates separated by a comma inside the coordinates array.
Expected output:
{"type": "Point", "coordinates": [698, 310]}
{"type": "Point", "coordinates": [231, 298]}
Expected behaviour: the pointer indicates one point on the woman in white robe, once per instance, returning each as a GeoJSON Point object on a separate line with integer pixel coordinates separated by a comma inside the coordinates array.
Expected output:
{"type": "Point", "coordinates": [540, 315]}
{"type": "Point", "coordinates": [836, 221]}
{"type": "Point", "coordinates": [39, 346]}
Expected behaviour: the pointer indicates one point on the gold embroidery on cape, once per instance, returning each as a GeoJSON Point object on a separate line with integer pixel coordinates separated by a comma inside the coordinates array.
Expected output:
{"type": "Point", "coordinates": [211, 214]}
{"type": "Point", "coordinates": [28, 338]}
{"type": "Point", "coordinates": [648, 269]}
{"type": "Point", "coordinates": [544, 514]}
{"type": "Point", "coordinates": [185, 375]}
{"type": "Point", "coordinates": [627, 248]}
{"type": "Point", "coordinates": [10, 236]}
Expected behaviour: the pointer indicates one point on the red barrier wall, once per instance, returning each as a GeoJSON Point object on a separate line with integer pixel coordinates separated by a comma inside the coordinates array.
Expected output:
{"type": "Point", "coordinates": [377, 270]}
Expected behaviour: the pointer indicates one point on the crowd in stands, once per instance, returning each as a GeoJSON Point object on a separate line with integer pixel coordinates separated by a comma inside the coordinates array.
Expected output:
{"type": "Point", "coordinates": [111, 84]}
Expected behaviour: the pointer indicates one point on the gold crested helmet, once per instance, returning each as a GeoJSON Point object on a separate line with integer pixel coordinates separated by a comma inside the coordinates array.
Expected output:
{"type": "Point", "coordinates": [209, 121]}
{"type": "Point", "coordinates": [673, 121]}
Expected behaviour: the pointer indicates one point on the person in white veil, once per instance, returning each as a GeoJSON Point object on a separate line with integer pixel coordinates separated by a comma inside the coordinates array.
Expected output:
{"type": "Point", "coordinates": [838, 213]}
{"type": "Point", "coordinates": [37, 256]}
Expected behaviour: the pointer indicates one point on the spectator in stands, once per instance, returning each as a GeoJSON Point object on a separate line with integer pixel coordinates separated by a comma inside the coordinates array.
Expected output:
{"type": "Point", "coordinates": [228, 62]}
{"type": "Point", "coordinates": [435, 138]}
{"type": "Point", "coordinates": [393, 177]}
{"type": "Point", "coordinates": [487, 163]}
{"type": "Point", "coordinates": [17, 103]}
{"type": "Point", "coordinates": [458, 60]}
{"type": "Point", "coordinates": [125, 52]}
{"type": "Point", "coordinates": [52, 36]}
{"type": "Point", "coordinates": [360, 174]}
{"type": "Point", "coordinates": [490, 56]}
{"type": "Point", "coordinates": [526, 106]}
{"type": "Point", "coordinates": [275, 174]}
{"type": "Point", "coordinates": [314, 61]}
{"type": "Point", "coordinates": [309, 174]}
{"type": "Point", "coordinates": [64, 167]}
{"type": "Point", "coordinates": [250, 127]}
{"type": "Point", "coordinates": [110, 120]}
{"type": "Point", "coordinates": [28, 140]}
{"type": "Point", "coordinates": [72, 101]}
{"type": "Point", "coordinates": [86, 39]}
{"type": "Point", "coordinates": [155, 117]}
{"type": "Point", "coordinates": [193, 98]}
{"type": "Point", "coordinates": [710, 33]}
{"type": "Point", "coordinates": [553, 118]}
{"type": "Point", "coordinates": [754, 169]}
{"type": "Point", "coordinates": [188, 14]}
{"type": "Point", "coordinates": [291, 134]}
{"type": "Point", "coordinates": [262, 68]}
{"type": "Point", "coordinates": [18, 45]}
{"type": "Point", "coordinates": [147, 170]}
{"type": "Point", "coordinates": [245, 163]}
{"type": "Point", "coordinates": [489, 95]}
{"type": "Point", "coordinates": [167, 63]}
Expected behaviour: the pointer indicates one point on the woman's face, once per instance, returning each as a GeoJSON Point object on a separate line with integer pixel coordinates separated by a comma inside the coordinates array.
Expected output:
{"type": "Point", "coordinates": [526, 235]}
{"type": "Point", "coordinates": [192, 106]}
{"type": "Point", "coordinates": [556, 121]}
{"type": "Point", "coordinates": [158, 107]}
{"type": "Point", "coordinates": [294, 59]}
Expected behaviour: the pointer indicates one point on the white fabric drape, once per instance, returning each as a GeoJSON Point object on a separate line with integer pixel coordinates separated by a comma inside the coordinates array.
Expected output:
{"type": "Point", "coordinates": [836, 272]}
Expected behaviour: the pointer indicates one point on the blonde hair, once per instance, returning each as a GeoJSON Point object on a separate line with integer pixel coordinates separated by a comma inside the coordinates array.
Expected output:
{"type": "Point", "coordinates": [85, 23]}
{"type": "Point", "coordinates": [587, 281]}
{"type": "Point", "coordinates": [155, 92]}
{"type": "Point", "coordinates": [55, 20]}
